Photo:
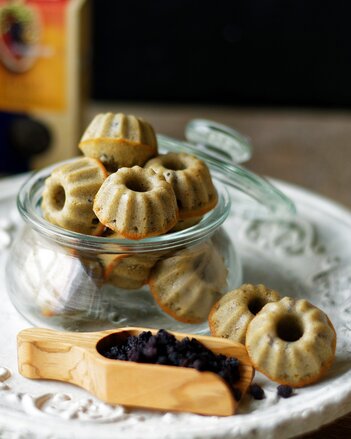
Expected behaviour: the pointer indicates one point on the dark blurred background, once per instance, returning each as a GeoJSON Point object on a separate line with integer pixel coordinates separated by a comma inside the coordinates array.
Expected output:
{"type": "Point", "coordinates": [257, 52]}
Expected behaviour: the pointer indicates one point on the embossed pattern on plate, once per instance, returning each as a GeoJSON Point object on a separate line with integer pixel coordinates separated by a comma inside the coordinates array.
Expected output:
{"type": "Point", "coordinates": [307, 256]}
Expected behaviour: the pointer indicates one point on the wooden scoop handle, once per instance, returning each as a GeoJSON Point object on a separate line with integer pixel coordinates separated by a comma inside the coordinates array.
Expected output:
{"type": "Point", "coordinates": [44, 353]}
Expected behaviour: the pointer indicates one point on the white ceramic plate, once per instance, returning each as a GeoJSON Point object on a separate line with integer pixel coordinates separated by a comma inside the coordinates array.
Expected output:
{"type": "Point", "coordinates": [308, 256]}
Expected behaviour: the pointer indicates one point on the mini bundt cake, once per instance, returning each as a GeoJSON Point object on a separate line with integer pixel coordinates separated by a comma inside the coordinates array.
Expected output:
{"type": "Point", "coordinates": [292, 342]}
{"type": "Point", "coordinates": [187, 284]}
{"type": "Point", "coordinates": [128, 271]}
{"type": "Point", "coordinates": [231, 315]}
{"type": "Point", "coordinates": [119, 141]}
{"type": "Point", "coordinates": [191, 181]}
{"type": "Point", "coordinates": [69, 193]}
{"type": "Point", "coordinates": [136, 203]}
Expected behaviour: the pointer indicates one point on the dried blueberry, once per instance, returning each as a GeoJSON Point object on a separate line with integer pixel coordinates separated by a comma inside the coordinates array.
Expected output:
{"type": "Point", "coordinates": [184, 362]}
{"type": "Point", "coordinates": [256, 391]}
{"type": "Point", "coordinates": [174, 358]}
{"type": "Point", "coordinates": [284, 391]}
{"type": "Point", "coordinates": [199, 365]}
{"type": "Point", "coordinates": [165, 337]}
{"type": "Point", "coordinates": [149, 353]}
{"type": "Point", "coordinates": [144, 336]}
{"type": "Point", "coordinates": [162, 360]}
{"type": "Point", "coordinates": [232, 362]}
{"type": "Point", "coordinates": [133, 355]}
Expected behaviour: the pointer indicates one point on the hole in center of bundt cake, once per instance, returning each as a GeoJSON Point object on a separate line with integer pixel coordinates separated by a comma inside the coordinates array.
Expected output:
{"type": "Point", "coordinates": [59, 197]}
{"type": "Point", "coordinates": [255, 305]}
{"type": "Point", "coordinates": [138, 184]}
{"type": "Point", "coordinates": [174, 164]}
{"type": "Point", "coordinates": [289, 328]}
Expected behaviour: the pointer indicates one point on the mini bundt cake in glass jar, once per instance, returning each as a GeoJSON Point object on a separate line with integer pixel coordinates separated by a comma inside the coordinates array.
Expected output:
{"type": "Point", "coordinates": [191, 181]}
{"type": "Point", "coordinates": [114, 247]}
{"type": "Point", "coordinates": [119, 141]}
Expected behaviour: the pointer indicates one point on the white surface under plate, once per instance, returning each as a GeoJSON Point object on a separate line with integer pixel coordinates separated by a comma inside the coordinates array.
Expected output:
{"type": "Point", "coordinates": [307, 256]}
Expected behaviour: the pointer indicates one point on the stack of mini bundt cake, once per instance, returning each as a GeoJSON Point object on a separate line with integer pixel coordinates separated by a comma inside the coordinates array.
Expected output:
{"type": "Point", "coordinates": [123, 189]}
{"type": "Point", "coordinates": [124, 186]}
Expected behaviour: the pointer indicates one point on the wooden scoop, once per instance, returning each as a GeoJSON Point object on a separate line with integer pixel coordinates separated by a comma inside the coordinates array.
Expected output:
{"type": "Point", "coordinates": [74, 358]}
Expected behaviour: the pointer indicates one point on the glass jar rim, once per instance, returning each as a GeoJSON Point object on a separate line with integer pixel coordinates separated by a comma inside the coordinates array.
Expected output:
{"type": "Point", "coordinates": [28, 203]}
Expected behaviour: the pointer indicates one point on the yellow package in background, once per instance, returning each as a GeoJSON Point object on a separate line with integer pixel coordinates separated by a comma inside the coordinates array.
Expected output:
{"type": "Point", "coordinates": [43, 57]}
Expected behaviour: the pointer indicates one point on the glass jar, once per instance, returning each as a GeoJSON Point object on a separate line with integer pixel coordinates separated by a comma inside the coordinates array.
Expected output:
{"type": "Point", "coordinates": [65, 280]}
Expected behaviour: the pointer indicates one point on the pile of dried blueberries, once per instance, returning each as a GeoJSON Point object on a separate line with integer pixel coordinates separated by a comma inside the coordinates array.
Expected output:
{"type": "Point", "coordinates": [164, 348]}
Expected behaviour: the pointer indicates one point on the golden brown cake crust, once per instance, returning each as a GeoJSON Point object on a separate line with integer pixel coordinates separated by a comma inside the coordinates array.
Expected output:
{"type": "Point", "coordinates": [136, 203]}
{"type": "Point", "coordinates": [231, 315]}
{"type": "Point", "coordinates": [69, 193]}
{"type": "Point", "coordinates": [118, 153]}
{"type": "Point", "coordinates": [119, 140]}
{"type": "Point", "coordinates": [128, 271]}
{"type": "Point", "coordinates": [186, 284]}
{"type": "Point", "coordinates": [191, 181]}
{"type": "Point", "coordinates": [292, 342]}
